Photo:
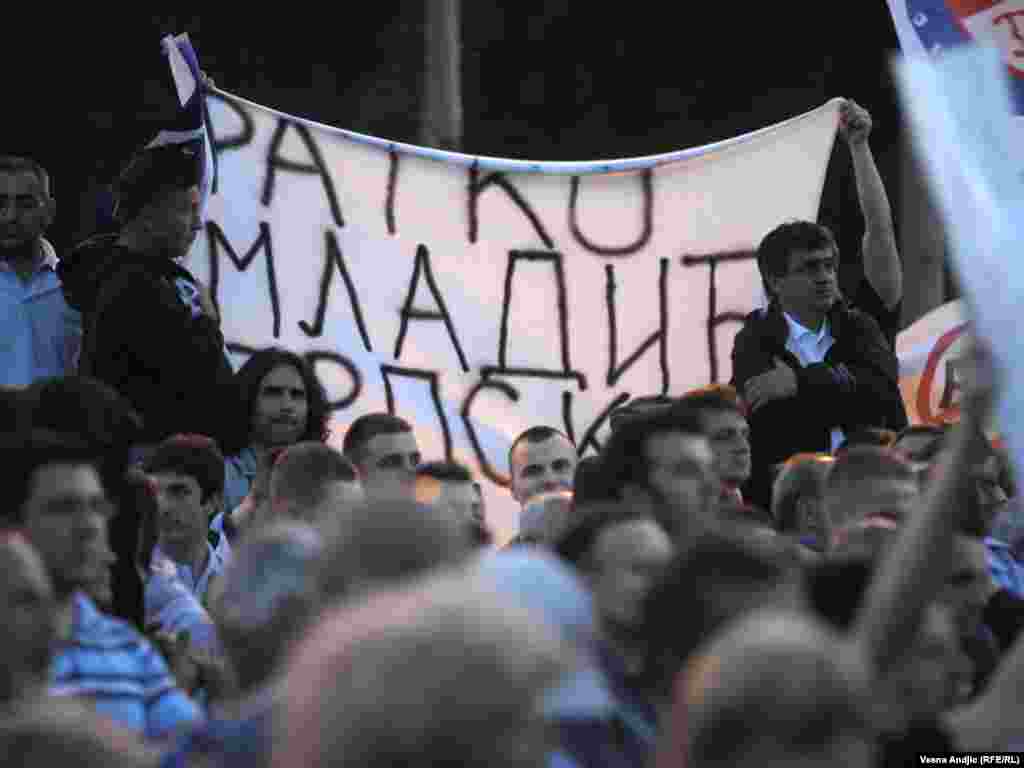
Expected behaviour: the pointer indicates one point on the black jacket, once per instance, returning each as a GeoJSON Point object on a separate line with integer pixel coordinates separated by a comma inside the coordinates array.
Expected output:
{"type": "Point", "coordinates": [141, 338]}
{"type": "Point", "coordinates": [856, 386]}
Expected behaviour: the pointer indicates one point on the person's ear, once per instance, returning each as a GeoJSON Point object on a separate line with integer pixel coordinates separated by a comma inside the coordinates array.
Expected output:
{"type": "Point", "coordinates": [773, 282]}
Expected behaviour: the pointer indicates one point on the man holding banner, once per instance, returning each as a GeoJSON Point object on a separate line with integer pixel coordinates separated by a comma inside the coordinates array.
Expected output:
{"type": "Point", "coordinates": [811, 367]}
{"type": "Point", "coordinates": [151, 331]}
{"type": "Point", "coordinates": [805, 388]}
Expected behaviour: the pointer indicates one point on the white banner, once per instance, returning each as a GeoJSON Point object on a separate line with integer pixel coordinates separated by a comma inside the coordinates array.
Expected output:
{"type": "Point", "coordinates": [477, 297]}
{"type": "Point", "coordinates": [929, 352]}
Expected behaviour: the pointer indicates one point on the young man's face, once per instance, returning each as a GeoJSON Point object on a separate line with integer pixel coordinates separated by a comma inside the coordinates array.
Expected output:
{"type": "Point", "coordinates": [173, 221]}
{"type": "Point", "coordinates": [388, 466]}
{"type": "Point", "coordinates": [729, 437]}
{"type": "Point", "coordinates": [66, 519]}
{"type": "Point", "coordinates": [679, 471]}
{"type": "Point", "coordinates": [542, 467]}
{"type": "Point", "coordinates": [25, 212]}
{"type": "Point", "coordinates": [811, 284]}
{"type": "Point", "coordinates": [183, 518]}
{"type": "Point", "coordinates": [627, 560]}
{"type": "Point", "coordinates": [281, 409]}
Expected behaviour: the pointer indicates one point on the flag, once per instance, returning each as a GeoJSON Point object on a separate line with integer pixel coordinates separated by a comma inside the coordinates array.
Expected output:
{"type": "Point", "coordinates": [961, 115]}
{"type": "Point", "coordinates": [934, 26]}
{"type": "Point", "coordinates": [193, 122]}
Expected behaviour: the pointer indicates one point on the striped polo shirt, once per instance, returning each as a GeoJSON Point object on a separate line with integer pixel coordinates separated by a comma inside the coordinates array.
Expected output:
{"type": "Point", "coordinates": [108, 661]}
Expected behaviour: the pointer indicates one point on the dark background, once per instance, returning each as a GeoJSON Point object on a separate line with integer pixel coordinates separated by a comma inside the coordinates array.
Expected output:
{"type": "Point", "coordinates": [552, 80]}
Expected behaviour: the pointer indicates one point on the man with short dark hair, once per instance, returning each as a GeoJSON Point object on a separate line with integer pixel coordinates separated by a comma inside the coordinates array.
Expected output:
{"type": "Point", "coordinates": [385, 450]}
{"type": "Point", "coordinates": [151, 330]}
{"type": "Point", "coordinates": [445, 673]}
{"type": "Point", "coordinates": [311, 481]}
{"type": "Point", "coordinates": [622, 550]}
{"type": "Point", "coordinates": [811, 367]}
{"type": "Point", "coordinates": [798, 500]}
{"type": "Point", "coordinates": [540, 460]}
{"type": "Point", "coordinates": [783, 676]}
{"type": "Point", "coordinates": [387, 541]}
{"type": "Point", "coordinates": [546, 518]}
{"type": "Point", "coordinates": [663, 458]}
{"type": "Point", "coordinates": [866, 482]}
{"type": "Point", "coordinates": [271, 598]}
{"type": "Point", "coordinates": [99, 415]}
{"type": "Point", "coordinates": [724, 422]}
{"type": "Point", "coordinates": [448, 487]}
{"type": "Point", "coordinates": [53, 491]}
{"type": "Point", "coordinates": [188, 473]}
{"type": "Point", "coordinates": [722, 577]}
{"type": "Point", "coordinates": [613, 545]}
{"type": "Point", "coordinates": [42, 334]}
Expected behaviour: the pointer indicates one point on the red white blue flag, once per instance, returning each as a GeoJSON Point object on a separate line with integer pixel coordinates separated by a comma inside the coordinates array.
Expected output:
{"type": "Point", "coordinates": [933, 26]}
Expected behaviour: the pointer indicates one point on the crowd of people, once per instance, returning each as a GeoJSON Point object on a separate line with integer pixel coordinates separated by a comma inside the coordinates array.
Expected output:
{"type": "Point", "coordinates": [779, 570]}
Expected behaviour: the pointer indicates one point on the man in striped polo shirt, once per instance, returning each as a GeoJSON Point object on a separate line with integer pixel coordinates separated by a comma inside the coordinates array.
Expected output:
{"type": "Point", "coordinates": [55, 495]}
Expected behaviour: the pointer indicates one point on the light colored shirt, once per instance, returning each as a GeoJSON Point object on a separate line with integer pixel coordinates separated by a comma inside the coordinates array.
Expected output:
{"type": "Point", "coordinates": [811, 347]}
{"type": "Point", "coordinates": [41, 335]}
{"type": "Point", "coordinates": [173, 608]}
{"type": "Point", "coordinates": [109, 662]}
{"type": "Point", "coordinates": [197, 584]}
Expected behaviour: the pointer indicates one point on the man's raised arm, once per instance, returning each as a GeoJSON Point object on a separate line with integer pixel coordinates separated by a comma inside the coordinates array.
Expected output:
{"type": "Point", "coordinates": [882, 266]}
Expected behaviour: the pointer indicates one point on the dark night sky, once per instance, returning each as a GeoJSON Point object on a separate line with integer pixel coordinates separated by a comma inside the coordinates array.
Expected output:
{"type": "Point", "coordinates": [554, 80]}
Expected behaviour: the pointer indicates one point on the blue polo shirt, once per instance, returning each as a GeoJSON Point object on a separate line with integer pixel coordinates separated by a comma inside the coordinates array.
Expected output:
{"type": "Point", "coordinates": [41, 335]}
{"type": "Point", "coordinates": [108, 661]}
